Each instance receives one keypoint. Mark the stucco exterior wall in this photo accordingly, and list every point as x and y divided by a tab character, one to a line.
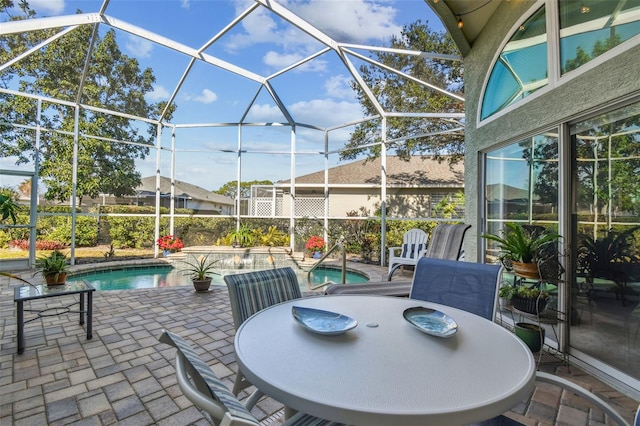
610	81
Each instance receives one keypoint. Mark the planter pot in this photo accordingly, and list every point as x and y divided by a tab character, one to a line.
317	255
526	270
529	305
504	302
202	285
51	278
531	334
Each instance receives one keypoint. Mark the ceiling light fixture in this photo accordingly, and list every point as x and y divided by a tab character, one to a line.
460	23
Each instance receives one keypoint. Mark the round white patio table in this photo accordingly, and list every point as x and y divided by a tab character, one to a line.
385	371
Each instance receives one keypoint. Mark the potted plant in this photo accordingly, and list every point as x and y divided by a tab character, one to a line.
531	334
529	299
200	270
316	245
521	246
169	244
53	267
242	237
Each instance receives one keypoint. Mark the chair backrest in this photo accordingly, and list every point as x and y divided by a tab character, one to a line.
413	242
446	241
472	287
253	291
205	389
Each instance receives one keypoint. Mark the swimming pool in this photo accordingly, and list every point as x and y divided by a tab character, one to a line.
166	276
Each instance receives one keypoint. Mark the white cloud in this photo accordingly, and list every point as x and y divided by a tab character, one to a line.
338	86
206	97
185	4
47	7
278	61
158	93
354	21
320	112
326	112
138	46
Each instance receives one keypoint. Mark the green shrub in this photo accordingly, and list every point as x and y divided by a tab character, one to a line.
132	232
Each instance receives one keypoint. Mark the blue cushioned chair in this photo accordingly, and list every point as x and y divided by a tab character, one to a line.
472	287
207	392
253	291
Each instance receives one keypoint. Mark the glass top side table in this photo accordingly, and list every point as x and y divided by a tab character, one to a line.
26	293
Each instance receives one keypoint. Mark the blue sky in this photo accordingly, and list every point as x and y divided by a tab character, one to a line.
316	93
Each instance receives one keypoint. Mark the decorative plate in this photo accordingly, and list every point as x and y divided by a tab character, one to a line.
430	321
322	322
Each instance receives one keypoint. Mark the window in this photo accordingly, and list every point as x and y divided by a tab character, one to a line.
590	28
606	224
522	183
587	29
521	68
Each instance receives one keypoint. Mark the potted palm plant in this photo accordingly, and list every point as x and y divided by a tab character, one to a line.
200	271
53	267
521	247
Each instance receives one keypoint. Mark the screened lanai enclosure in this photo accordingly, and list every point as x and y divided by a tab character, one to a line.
214	92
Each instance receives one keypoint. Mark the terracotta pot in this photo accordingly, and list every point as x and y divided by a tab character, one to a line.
202	285
526	270
51	278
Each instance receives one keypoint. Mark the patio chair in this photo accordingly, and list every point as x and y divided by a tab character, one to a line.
253	291
206	391
576	389
445	243
414	245
472	287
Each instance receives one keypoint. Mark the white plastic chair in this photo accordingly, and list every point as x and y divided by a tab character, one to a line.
414	246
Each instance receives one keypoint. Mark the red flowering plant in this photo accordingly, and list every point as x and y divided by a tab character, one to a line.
315	243
170	243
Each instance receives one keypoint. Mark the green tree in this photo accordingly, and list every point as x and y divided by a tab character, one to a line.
8	207
113	81
230	189
398	94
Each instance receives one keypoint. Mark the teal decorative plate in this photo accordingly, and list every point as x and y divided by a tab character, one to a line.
430	321
322	322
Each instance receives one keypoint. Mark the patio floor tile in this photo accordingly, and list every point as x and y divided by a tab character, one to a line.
125	376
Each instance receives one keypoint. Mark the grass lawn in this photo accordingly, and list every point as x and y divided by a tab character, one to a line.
84	254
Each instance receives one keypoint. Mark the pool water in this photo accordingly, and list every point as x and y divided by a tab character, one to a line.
166	276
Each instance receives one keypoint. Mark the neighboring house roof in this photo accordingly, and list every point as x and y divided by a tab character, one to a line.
416	172
502	192
182	190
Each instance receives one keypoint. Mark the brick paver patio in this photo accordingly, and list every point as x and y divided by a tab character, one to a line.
125	376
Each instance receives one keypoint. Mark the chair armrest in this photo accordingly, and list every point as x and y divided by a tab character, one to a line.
392	251
594	399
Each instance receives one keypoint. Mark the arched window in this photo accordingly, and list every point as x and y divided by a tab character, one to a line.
521	68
